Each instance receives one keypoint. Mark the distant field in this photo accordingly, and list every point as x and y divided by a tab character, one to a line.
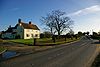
42	41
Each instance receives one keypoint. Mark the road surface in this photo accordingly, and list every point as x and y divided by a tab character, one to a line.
77	54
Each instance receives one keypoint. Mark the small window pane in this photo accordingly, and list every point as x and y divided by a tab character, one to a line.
27	35
36	35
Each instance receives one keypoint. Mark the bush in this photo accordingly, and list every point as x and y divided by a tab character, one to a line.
17	37
95	37
45	35
0	36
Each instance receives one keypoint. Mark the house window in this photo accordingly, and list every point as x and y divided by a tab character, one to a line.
27	35
36	35
36	31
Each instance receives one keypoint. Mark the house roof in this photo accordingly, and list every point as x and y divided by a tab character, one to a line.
28	26
24	25
9	30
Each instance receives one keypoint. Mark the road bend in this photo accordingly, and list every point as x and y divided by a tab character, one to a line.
77	54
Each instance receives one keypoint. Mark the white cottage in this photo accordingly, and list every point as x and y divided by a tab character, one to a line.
22	31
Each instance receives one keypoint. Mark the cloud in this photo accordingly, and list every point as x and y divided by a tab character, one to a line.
14	9
88	10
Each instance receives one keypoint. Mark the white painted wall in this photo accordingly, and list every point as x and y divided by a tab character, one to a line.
31	32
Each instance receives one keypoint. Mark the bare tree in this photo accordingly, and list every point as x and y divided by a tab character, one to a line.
48	21
57	22
71	32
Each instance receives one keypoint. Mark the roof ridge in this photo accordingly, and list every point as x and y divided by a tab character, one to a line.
29	26
27	23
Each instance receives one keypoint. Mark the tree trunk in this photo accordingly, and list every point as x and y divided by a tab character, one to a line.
58	35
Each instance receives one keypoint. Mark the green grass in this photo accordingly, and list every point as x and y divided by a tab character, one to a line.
42	41
2	49
29	41
22	41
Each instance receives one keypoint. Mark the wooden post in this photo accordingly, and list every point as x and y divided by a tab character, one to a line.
34	41
76	37
65	38
53	38
0	56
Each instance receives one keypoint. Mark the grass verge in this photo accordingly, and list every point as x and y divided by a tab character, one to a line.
43	41
96	63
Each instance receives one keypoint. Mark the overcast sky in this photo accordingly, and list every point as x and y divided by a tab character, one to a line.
85	13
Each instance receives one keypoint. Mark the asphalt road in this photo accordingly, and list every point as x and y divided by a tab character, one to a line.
77	54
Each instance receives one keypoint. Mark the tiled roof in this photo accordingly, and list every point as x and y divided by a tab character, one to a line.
28	26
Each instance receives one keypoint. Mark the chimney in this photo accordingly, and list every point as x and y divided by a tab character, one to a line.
30	22
19	20
9	26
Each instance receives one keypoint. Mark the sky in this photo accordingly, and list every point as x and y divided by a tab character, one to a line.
84	13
